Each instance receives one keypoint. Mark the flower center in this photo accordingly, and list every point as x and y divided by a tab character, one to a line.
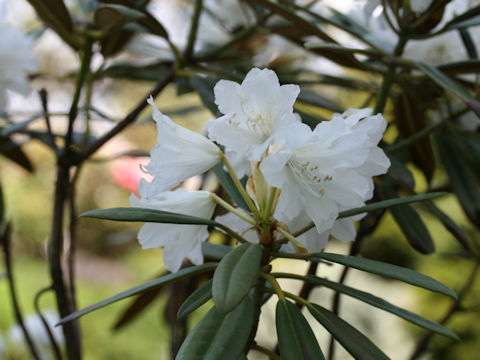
308	176
261	123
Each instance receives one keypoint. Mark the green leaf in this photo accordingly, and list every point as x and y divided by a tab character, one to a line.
228	184
129	13
470	13
357	344
141	288
204	88
446	82
399	172
374	301
449	224
133	214
215	251
13	151
339	48
410	223
311	97
235	275
219	336
138	305
15	127
389	203
468	43
295	337
55	15
196	299
309	28
410	121
461	67
127	71
389	270
463	180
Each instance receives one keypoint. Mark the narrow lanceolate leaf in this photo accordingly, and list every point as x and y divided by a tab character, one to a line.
228	184
219	336
215	251
13	151
141	288
449	224
446	82
235	275
56	16
389	270
389	203
351	339
374	301
463	180
138	305
146	215
196	299
295	336
399	172
410	223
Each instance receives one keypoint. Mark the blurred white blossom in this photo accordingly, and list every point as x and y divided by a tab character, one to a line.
37	331
178	241
16	59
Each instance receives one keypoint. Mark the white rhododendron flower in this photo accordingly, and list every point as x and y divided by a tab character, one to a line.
298	175
179	154
325	171
17	61
254	112
178	241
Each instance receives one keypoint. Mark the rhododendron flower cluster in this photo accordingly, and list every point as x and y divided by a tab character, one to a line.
296	175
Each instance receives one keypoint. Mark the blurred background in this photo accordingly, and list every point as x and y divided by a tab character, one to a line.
109	258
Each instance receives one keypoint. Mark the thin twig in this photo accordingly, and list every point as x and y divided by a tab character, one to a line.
73	235
82	74
192	35
36	302
44	99
5	241
129	119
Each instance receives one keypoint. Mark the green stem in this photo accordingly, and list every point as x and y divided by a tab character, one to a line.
267	352
193	29
232	233
5	241
239	185
276	286
388	78
233	210
82	74
297	244
297	298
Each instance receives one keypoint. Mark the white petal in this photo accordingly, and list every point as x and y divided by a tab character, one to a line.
344	230
180	153
178	241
